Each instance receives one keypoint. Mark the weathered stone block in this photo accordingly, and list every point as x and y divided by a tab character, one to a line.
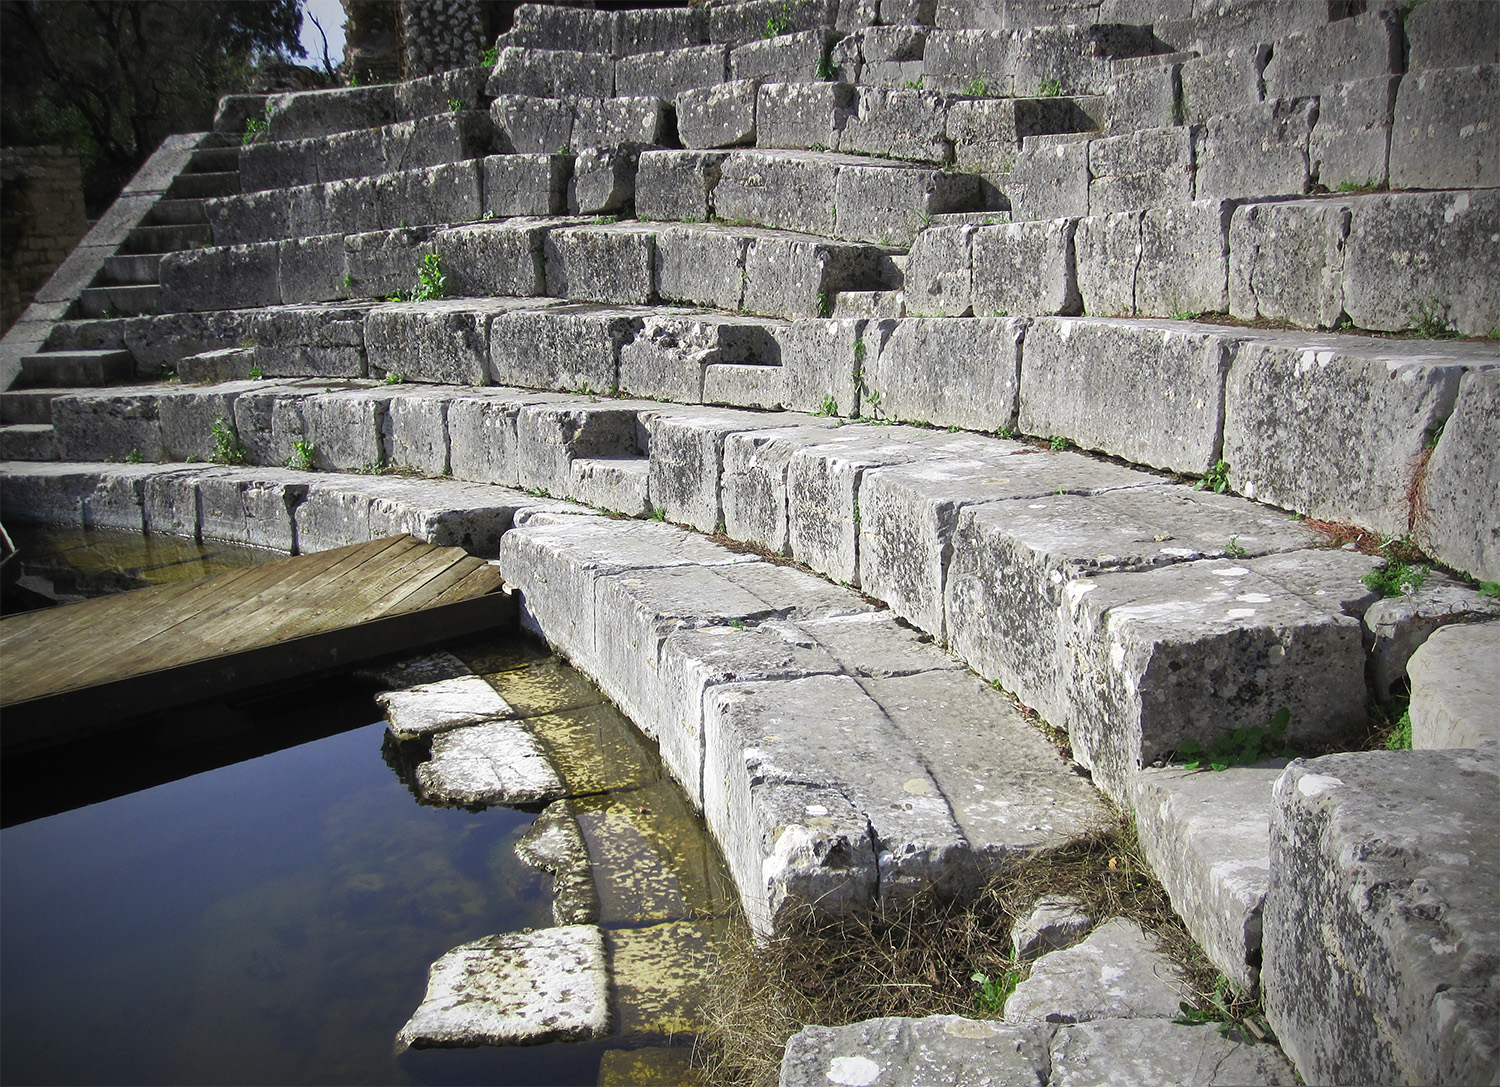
1452	33
667	74
107	426
379	263
444	341
614	484
1443	135
1184	260
945	371
1148	169
1351	141
1453	688
978	62
701	265
686	456
939	278
802	115
1116	973
603	180
619	122
311	114
903	124
525	184
720	116
528	125
667	357
494	258
567	347
552	73
433	95
745	385
677	184
482	438
254	510
1286	261
787	190
1145	94
1222	82
1090	380
310	269
266	166
1260	150
822	360
1458	513
786	58
750	22
891	204
658	30
416	436
1385	398
1050	178
1411	255
790	276
188	419
550	436
614	263
249	217
1344	50
1025	268
1380	940
346	428
914	1050
438	194
228	278
1164	1050
1396	627
753	487
544	26
1107	256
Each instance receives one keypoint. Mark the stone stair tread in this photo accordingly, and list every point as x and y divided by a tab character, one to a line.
28	405
76	369
125	300
203	184
178	211
27	442
156	238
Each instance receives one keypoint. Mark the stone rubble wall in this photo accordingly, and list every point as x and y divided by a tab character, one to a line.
43	220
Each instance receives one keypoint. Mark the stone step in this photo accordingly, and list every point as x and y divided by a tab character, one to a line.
214	160
428	141
75	369
27	405
1068	60
313	114
166	239
531	124
26	442
201	185
126	300
177	212
617	33
132	268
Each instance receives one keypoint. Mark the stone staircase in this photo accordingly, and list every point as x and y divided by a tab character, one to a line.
948	303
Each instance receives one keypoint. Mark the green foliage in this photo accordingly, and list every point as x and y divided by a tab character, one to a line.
1429	322
348	283
975	87
1234	550
658	513
828	407
1006	431
538	492
859	350
825	304
432	283
914	84
1397	578
994	992
490	57
1400	737
394	378
1216	479
826	70
254	127
1058	443
1241	747
134	457
1232	1009
779	23
228	449
1490	589
1050	88
256	373
456	105
302	456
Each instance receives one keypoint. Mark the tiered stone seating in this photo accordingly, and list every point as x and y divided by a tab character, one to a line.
701	273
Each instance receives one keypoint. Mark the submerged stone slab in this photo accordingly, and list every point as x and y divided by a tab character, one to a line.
941	1049
1114	974
1455	696
551	985
496	763
450	702
662	974
1120	1051
554	843
1380	920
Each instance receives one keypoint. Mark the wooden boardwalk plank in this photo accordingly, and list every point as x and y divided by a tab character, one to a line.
258	615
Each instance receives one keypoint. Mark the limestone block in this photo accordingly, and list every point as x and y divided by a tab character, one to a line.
547	985
617	484
792	276
783	190
1452	33
1222	82
1081	58
550	436
1220	28
1114	974
311	269
267	421
677	184
891	204
1107	256
311	114
1162	1051
67	494
987	133
945	371
552	73
1344	50
417	99
562	347
1143	169
1380	933
542	26
1184	260
493	258
912	1051
266	166
382	262
1050	178
1025	268
1351	141
1443	135
527	125
741	385
751	21
895	40
482	438
113	425
1089	380
658	30
613	263
939	280
1248	640
254	510
555	844
311	340
1396	627
822	360
187	419
1286	261
719	116
903	124
667	357
1458	514
1260	150
445	341
1145	94
1207	837
786	58
979	61
417	438
249	217
701	265
228	278
498	762
603	180
753	484
525	184
1054	923
667	74
686	456
1387	398
346	428
619	122
1454	697
1407	251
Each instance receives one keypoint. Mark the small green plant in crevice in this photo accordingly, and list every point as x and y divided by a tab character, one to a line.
829	406
228	449
1235	1012
1490	589
395	378
1397	578
302	456
1429	321
778	23
993	992
489	57
255	373
565	150
737	624
1005	430
254	127
975	87
859	351
1057	443
1400	736
1050	88
856	512
658	513
432	283
538	492
457	105
1234	550
1216	479
134	457
825	304
826	70
348	283
1242	747
914	84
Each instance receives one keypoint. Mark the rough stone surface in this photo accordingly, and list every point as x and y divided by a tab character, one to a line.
1114	974
1443	134
1455	699
1119	1052
1458	514
941	1049
1025	268
1050	178
677	184
946	372
1286	261
1144	169
939	280
1346	49
1261	150
500	762
721	116
440	705
1054	923
555	844
564	347
1380	934
543	986
1396	627
1351	141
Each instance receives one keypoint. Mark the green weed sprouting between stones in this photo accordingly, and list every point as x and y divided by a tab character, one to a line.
1490	589
1058	443
456	105
1428	322
778	23
228	449
825	304
914	84
490	57
254	126
828	407
1216	479
826	70
1397	578
1050	88
975	88
1400	737
1005	431
1242	747
658	513
255	373
302	456
994	992
432	282
395	378
1233	1011
134	457
1234	550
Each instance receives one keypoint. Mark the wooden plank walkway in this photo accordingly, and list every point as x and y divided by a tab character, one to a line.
67	671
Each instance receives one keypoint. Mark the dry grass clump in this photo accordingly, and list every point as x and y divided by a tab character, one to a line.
918	957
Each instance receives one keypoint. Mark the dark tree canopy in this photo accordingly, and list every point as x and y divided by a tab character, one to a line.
110	78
